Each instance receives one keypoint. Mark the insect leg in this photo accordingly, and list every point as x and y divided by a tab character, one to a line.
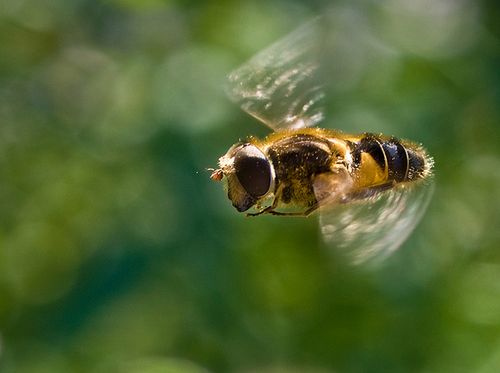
304	213
269	209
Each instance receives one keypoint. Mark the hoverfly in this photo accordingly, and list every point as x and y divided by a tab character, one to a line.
371	190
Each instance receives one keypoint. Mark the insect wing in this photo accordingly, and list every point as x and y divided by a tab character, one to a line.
370	229
280	86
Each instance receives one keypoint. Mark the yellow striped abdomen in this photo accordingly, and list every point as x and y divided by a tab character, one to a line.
377	160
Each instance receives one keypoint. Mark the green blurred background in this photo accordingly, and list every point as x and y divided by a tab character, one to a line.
118	254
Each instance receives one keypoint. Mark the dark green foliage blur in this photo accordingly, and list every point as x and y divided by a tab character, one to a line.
117	252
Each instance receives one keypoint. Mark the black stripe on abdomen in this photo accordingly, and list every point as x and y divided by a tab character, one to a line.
372	146
397	160
403	163
416	165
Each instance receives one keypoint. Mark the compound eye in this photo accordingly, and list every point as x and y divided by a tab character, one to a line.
253	170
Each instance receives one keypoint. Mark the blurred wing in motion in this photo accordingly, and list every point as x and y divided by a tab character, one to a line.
283	86
372	228
280	86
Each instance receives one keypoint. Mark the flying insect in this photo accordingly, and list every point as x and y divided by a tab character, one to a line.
371	190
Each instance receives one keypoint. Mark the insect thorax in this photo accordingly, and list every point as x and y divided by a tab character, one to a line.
296	160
